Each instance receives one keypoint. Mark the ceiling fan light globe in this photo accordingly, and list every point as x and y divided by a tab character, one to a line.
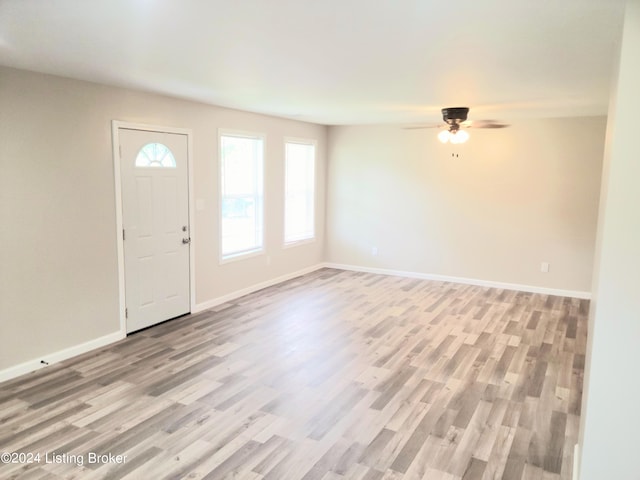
462	136
444	136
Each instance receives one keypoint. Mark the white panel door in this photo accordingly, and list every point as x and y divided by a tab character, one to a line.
155	218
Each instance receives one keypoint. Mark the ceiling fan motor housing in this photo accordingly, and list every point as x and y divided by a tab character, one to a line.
455	115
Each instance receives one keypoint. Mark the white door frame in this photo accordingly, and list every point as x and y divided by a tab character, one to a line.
116	125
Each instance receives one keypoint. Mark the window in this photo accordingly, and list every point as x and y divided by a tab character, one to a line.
299	201
241	191
155	155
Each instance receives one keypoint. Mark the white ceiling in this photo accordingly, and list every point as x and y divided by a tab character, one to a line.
332	61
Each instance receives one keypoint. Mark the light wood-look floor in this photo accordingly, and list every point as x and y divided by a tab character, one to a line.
328	376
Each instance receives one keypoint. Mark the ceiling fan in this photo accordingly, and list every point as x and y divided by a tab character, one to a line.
456	122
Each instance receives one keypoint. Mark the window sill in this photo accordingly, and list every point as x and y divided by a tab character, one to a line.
297	243
241	256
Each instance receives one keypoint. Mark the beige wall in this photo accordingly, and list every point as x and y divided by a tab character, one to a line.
58	274
512	199
610	419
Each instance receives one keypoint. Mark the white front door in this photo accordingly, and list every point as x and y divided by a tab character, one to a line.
155	220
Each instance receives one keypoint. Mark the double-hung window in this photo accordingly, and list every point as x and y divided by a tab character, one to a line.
299	211
241	194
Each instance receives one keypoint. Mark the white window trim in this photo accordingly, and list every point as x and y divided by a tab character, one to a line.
296	243
234	257
303	241
152	165
253	252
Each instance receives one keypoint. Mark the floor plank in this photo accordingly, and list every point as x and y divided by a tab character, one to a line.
331	375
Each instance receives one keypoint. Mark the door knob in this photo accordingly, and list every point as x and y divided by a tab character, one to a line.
186	240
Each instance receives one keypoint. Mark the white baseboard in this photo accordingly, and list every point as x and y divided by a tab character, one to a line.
55	357
464	280
575	474
199	307
59	356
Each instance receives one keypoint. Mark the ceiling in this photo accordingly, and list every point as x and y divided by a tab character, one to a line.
332	62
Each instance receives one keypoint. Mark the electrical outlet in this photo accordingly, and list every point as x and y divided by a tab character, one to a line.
544	267
374	251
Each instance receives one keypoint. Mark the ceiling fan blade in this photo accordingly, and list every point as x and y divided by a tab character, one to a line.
421	127
487	124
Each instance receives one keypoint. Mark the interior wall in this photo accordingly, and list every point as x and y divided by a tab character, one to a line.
610	420
492	209
58	274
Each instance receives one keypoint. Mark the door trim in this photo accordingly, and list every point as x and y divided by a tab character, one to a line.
116	125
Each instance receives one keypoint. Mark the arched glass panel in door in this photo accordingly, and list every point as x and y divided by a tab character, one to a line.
155	155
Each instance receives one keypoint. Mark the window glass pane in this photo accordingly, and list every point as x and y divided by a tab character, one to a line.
241	194
240	164
155	155
299	192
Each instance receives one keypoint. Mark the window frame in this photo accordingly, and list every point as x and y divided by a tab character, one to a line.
313	237
152	162
243	254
